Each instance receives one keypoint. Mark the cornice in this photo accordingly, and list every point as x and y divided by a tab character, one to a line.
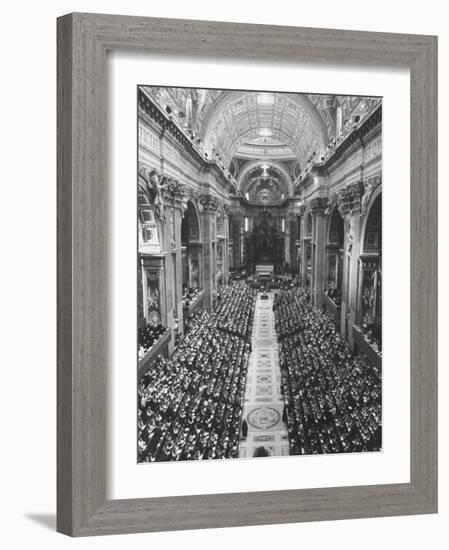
168	126
358	135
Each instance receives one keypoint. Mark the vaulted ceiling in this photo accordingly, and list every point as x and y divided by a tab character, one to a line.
262	126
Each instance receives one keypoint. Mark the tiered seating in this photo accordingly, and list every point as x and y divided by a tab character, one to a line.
190	406
333	399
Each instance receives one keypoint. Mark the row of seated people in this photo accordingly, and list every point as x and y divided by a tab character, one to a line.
333	399
234	309
190	406
189	294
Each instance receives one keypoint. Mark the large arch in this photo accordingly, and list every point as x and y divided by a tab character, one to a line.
291	116
372	228
276	167
334	262
190	224
370	289
336	229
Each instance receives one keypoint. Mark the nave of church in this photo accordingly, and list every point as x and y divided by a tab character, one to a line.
259	274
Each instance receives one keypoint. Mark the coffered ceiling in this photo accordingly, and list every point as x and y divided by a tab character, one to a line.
282	127
263	125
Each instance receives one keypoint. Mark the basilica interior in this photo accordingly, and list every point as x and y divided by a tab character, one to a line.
259	271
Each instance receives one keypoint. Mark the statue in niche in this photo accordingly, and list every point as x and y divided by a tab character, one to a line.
184	205
369	188
154	184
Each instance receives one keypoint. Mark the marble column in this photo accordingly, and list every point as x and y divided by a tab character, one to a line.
349	202
302	250
226	248
293	224
286	243
209	205
318	207
236	231
178	213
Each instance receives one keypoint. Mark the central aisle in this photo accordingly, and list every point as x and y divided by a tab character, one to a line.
264	402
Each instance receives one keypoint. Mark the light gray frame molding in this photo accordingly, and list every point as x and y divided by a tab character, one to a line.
83	40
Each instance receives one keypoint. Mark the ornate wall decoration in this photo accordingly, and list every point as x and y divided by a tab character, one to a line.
370	186
148	231
209	203
349	199
153	184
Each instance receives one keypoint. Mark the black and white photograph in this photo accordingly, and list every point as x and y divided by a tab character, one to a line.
259	273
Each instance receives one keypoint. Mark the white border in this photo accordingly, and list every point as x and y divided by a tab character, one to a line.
126	479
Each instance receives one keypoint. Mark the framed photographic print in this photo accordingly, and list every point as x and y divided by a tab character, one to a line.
246	274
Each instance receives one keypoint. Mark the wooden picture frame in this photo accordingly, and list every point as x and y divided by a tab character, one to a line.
83	40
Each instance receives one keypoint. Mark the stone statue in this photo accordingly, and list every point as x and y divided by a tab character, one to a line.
366	197
153	186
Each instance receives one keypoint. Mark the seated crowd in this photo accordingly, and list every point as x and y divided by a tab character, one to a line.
333	399
148	336
190	406
335	295
373	335
189	295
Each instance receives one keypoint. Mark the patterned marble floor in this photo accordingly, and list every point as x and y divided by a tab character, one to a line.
263	399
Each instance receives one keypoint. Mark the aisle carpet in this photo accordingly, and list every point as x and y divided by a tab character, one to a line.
263	399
